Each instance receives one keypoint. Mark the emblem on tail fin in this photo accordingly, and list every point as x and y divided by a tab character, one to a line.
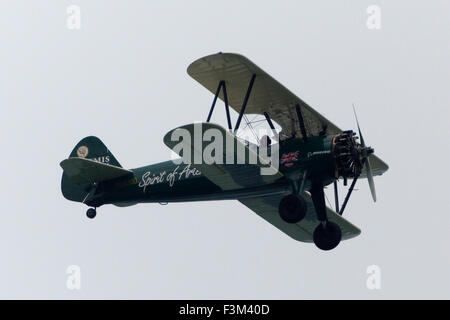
82	151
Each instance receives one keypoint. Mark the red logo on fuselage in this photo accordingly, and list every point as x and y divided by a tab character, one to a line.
288	159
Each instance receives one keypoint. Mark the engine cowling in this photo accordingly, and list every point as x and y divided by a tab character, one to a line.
347	155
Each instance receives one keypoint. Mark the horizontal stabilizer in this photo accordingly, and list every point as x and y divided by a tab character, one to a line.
81	171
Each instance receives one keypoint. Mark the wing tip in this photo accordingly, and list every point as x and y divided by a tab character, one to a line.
223	55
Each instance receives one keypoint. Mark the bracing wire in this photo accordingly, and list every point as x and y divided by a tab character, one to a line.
251	128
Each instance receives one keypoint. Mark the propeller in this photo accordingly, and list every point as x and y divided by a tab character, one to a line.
365	152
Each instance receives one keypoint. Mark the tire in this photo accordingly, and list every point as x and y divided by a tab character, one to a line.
292	208
91	213
327	237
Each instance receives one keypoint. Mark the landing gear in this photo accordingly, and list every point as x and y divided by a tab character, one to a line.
327	235
91	213
292	208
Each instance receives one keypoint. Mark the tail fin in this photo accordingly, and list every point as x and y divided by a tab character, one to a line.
89	148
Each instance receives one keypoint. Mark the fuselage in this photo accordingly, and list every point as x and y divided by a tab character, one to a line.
170	182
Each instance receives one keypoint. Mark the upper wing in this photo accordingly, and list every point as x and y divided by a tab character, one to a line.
239	174
267	208
267	95
80	170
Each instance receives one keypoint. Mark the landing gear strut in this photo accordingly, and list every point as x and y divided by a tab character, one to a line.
91	213
292	208
327	234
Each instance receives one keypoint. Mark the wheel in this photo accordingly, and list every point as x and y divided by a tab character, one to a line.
328	236
91	213
292	208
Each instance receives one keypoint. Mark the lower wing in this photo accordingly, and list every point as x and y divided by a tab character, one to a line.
267	208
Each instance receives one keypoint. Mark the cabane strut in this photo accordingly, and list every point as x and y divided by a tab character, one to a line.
223	86
301	122
225	99
244	104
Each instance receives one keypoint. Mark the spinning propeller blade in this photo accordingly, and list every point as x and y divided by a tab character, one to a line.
370	180
366	160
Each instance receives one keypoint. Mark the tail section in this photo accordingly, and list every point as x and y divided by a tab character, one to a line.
89	148
94	149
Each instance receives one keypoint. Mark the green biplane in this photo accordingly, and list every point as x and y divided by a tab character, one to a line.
308	153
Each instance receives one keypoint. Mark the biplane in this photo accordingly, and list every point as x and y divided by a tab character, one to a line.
311	154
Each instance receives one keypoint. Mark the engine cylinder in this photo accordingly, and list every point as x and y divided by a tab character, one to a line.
346	154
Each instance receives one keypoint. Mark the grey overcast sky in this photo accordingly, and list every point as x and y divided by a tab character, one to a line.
122	77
